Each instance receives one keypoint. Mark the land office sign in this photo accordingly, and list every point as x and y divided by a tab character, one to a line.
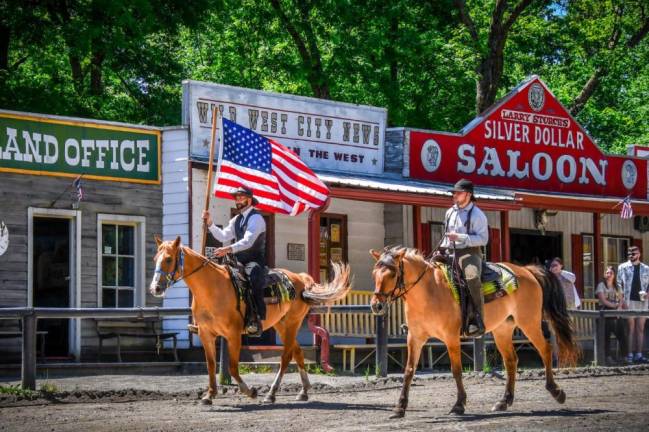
59	147
528	141
326	135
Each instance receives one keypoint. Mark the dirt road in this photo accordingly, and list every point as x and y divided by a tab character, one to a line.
598	399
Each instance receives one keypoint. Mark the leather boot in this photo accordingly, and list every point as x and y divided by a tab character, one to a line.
476	329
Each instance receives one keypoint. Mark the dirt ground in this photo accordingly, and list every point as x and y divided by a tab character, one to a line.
598	399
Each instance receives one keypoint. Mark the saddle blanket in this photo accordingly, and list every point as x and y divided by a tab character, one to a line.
505	284
278	288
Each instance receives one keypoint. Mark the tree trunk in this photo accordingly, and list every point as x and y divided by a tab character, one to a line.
96	87
4	47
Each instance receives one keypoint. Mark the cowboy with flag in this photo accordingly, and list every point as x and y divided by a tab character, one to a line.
259	174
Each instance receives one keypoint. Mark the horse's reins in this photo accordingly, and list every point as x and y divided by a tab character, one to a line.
179	266
400	288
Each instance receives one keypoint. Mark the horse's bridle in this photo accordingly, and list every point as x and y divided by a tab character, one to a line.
400	288
179	267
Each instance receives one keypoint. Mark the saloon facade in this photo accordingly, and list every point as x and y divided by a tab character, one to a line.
83	244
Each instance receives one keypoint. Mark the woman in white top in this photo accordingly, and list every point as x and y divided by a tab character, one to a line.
567	280
610	297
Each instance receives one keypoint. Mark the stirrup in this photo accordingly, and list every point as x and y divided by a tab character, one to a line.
254	328
477	333
193	328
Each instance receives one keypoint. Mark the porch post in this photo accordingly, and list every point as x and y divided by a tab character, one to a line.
418	234
597	239
504	236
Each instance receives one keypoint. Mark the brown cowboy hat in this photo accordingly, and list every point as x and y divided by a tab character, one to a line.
243	190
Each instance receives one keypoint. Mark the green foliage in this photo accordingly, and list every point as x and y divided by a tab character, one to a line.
49	388
125	60
17	390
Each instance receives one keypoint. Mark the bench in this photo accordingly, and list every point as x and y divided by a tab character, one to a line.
9	334
136	329
359	325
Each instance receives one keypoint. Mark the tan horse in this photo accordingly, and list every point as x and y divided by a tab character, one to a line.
215	312
431	311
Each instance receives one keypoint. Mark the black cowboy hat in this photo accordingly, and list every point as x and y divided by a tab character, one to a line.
464	185
243	190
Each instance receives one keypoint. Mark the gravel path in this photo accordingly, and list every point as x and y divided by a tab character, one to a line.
598	399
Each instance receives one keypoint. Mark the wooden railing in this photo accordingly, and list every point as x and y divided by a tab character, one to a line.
362	325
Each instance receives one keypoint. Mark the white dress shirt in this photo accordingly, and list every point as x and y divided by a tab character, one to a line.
478	234
256	226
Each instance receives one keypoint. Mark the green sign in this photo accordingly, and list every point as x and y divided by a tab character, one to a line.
43	146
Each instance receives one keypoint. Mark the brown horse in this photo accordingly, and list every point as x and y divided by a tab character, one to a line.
431	311
215	311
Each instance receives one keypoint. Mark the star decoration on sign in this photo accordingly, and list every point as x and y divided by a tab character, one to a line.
374	161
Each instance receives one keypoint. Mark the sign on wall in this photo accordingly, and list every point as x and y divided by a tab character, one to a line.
527	141
326	135
47	146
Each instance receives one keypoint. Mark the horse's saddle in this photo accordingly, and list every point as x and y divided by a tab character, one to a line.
497	280
278	288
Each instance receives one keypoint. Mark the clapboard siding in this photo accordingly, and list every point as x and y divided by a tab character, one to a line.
175	219
22	191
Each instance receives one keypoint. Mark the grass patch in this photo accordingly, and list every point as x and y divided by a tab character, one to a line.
49	388
316	369
246	369
17	390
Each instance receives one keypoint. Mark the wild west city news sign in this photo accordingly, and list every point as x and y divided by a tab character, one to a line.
32	144
326	135
528	141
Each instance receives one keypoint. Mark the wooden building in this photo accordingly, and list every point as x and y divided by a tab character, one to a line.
80	201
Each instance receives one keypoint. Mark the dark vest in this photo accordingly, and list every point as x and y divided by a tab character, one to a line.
257	252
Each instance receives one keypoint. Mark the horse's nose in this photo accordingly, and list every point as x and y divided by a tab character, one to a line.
378	308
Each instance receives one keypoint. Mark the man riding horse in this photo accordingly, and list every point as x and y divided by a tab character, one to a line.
248	229
466	231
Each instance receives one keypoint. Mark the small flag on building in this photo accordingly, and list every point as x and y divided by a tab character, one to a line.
79	190
627	210
280	181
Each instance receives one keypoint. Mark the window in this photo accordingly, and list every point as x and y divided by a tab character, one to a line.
333	243
120	261
614	252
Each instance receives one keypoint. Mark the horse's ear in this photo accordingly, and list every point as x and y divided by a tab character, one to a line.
177	242
158	242
375	254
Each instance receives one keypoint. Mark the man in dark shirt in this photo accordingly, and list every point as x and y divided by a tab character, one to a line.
633	281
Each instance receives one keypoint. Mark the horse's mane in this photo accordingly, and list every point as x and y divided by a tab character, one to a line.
411	254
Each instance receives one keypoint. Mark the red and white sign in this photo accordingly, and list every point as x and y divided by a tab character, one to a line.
527	141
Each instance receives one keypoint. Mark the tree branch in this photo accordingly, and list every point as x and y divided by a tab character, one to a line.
465	17
520	7
301	46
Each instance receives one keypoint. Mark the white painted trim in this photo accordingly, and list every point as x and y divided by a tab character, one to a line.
139	222
74	216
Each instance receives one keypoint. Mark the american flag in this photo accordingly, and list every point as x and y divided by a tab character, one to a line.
280	181
79	190
627	210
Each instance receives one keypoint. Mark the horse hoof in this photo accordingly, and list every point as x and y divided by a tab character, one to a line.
253	393
560	397
500	406
269	399
206	401
398	413
457	409
302	397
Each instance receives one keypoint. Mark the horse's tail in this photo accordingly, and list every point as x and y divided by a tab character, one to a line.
327	293
554	306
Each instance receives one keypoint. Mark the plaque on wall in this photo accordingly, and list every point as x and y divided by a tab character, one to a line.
295	251
335	233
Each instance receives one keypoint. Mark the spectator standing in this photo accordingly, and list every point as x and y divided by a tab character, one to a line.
610	298
567	280
633	281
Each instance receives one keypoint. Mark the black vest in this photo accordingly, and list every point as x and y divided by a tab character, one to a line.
257	252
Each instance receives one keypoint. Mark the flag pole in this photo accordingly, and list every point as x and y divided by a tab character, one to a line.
215	114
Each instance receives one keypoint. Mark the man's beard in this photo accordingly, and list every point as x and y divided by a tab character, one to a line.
240	206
